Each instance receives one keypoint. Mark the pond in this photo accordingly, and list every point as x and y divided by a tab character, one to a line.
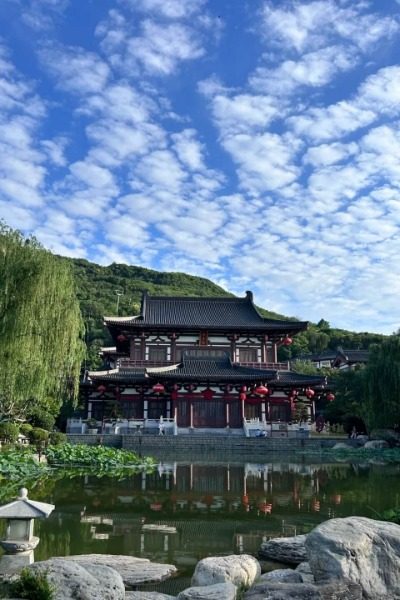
183	512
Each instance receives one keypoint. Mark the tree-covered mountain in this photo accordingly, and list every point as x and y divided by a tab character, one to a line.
101	290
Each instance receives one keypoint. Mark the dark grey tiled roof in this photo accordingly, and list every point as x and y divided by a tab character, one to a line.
291	378
214	369
203	313
210	369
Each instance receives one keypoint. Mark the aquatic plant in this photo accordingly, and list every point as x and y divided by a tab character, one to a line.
101	458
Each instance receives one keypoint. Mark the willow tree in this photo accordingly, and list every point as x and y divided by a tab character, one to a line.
382	384
41	328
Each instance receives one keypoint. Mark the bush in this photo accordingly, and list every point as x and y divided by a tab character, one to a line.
56	438
26	429
43	419
9	432
38	435
33	585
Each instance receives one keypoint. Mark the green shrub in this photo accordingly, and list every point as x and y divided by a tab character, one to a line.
26	429
33	586
56	438
38	435
42	419
9	432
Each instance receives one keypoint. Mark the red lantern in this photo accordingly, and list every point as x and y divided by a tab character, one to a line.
121	338
287	341
207	394
310	393
101	389
158	388
243	388
330	397
261	390
242	396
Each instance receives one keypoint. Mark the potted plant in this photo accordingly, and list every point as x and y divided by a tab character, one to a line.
91	425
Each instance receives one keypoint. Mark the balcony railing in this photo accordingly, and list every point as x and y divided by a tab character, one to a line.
128	363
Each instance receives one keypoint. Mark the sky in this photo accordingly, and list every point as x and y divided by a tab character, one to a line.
256	143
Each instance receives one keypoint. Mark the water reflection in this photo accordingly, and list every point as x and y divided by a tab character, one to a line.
183	512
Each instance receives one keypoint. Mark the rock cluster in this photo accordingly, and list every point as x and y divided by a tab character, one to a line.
342	559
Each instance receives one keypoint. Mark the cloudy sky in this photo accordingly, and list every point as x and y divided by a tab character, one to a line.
254	142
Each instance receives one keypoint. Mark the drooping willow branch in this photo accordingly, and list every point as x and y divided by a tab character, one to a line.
41	328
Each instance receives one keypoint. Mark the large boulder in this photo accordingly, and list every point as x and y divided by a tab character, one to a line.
218	591
283	576
134	571
239	569
376	444
359	550
304	570
268	590
73	581
148	596
288	550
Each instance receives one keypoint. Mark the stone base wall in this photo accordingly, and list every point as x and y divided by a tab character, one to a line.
189	446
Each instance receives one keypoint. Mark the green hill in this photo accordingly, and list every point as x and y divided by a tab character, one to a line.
100	289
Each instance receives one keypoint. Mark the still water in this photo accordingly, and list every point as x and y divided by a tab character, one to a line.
181	512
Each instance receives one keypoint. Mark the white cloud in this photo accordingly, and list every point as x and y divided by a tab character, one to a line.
172	9
76	70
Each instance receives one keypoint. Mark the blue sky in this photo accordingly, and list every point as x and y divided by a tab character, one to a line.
255	143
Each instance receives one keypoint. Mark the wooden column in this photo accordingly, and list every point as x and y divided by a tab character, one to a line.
227	413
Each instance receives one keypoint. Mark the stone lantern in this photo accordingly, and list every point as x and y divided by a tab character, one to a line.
20	515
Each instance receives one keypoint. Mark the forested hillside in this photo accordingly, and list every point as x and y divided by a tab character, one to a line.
100	289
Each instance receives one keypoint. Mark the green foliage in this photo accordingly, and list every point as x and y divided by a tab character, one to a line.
42	418
56	437
33	585
25	429
39	436
9	432
40	327
100	458
382	384
348	408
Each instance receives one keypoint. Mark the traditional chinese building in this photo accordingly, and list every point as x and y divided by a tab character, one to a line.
204	362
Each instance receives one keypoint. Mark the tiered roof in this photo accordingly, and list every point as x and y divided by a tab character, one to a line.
202	313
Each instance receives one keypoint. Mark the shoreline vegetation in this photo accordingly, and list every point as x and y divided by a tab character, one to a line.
23	467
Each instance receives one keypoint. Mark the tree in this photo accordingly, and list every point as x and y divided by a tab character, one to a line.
41	328
382	384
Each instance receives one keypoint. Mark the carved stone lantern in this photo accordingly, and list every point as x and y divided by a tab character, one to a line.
20	515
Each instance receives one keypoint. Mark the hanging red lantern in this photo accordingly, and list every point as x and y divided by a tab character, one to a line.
243	389
158	388
242	396
101	389
261	390
207	394
330	397
287	341
310	393
121	338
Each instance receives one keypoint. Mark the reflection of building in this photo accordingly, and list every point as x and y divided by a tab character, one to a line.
200	362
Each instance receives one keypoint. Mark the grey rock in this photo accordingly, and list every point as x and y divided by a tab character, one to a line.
218	591
289	550
303	591
148	596
134	571
359	550
73	581
361	439
376	444
342	446
283	576
304	570
239	569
